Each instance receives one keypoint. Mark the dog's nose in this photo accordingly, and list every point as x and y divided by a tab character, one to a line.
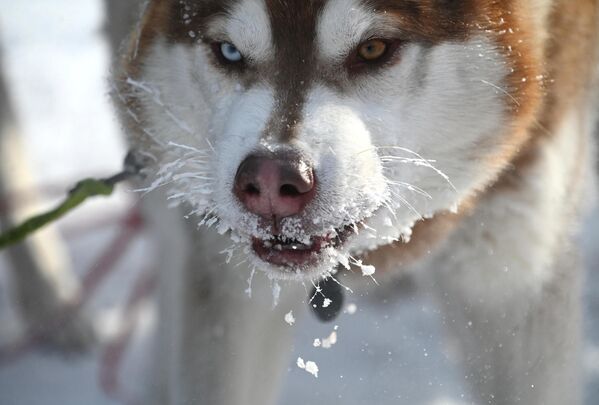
275	186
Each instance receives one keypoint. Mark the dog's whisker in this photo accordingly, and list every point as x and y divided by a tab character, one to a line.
156	97
417	161
240	263
210	146
386	158
387	204
409	187
420	161
250	281
402	200
502	90
188	148
332	277
317	290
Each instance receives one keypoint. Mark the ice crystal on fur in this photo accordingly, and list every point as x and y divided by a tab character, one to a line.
184	173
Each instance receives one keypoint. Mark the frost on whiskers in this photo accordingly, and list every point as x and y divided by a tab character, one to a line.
184	173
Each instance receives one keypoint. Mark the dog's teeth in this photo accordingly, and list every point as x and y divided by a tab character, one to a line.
267	244
278	247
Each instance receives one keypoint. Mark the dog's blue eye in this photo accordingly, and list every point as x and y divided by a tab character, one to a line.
230	52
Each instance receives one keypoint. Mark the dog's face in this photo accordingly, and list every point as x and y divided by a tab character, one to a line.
313	129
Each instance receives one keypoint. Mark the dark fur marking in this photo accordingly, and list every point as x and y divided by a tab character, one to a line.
293	27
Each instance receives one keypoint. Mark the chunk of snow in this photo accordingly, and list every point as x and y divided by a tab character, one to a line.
312	368
309	366
368	270
276	293
352	309
330	341
344	261
289	318
326	303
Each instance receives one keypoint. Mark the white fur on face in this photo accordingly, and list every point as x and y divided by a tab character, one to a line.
342	26
398	144
247	26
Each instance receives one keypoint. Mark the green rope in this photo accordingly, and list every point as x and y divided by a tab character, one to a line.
84	190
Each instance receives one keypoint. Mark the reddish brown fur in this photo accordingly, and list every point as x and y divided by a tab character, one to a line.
293	26
430	20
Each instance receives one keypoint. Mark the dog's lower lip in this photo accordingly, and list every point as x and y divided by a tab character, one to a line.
290	254
295	253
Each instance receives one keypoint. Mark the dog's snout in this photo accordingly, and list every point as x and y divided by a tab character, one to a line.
275	186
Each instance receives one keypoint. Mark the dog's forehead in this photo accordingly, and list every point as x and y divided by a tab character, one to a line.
293	23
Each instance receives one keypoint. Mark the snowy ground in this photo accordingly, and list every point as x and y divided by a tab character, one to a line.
387	353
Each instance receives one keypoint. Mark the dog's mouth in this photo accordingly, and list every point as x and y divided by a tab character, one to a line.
294	254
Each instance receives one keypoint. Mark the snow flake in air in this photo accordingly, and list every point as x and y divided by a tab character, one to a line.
289	318
309	366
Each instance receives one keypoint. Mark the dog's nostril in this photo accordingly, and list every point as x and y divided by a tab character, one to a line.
289	190
252	190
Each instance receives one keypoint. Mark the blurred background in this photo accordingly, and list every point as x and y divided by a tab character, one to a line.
58	127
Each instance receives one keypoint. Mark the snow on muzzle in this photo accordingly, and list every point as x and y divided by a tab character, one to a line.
288	252
274	186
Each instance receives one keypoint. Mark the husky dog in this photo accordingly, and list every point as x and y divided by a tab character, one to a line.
452	139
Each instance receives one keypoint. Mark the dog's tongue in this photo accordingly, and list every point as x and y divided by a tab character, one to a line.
327	303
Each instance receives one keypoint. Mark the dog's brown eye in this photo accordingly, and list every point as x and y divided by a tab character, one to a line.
372	50
374	54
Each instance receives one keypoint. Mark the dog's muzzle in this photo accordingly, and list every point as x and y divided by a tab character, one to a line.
274	186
